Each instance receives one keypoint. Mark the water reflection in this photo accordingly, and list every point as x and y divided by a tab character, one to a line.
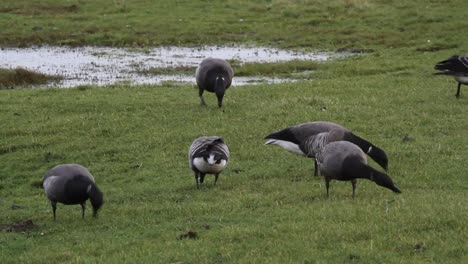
105	65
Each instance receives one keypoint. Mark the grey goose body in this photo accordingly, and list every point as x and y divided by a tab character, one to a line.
345	161
72	184
309	138
208	155
214	75
456	66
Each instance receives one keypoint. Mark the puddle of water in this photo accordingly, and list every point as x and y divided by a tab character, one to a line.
105	65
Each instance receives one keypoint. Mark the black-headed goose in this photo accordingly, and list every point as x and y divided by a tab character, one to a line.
344	161
208	155
214	75
309	138
456	66
72	184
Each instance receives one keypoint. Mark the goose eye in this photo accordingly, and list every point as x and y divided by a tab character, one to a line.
218	161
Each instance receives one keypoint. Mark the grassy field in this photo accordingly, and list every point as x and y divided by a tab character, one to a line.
267	206
295	69
318	24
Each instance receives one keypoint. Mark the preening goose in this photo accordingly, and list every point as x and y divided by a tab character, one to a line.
208	155
344	161
214	75
309	138
72	184
456	66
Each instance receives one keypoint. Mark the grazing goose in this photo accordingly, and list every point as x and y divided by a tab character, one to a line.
72	184
344	161
456	66
309	138
214	75
208	155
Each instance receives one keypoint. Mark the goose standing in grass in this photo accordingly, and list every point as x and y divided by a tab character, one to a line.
456	66
72	184
214	75
344	161
309	138
208	155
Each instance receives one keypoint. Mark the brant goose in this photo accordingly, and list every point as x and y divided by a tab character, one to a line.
214	75
72	184
344	161
208	155
309	138
456	66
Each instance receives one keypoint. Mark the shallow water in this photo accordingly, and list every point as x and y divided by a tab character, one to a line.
104	65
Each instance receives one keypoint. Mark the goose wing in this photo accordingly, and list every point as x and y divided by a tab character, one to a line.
69	170
455	65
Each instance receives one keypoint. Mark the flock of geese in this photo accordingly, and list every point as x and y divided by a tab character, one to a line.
338	153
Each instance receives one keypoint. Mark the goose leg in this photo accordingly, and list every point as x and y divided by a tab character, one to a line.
196	180
327	184
54	207
315	168
83	207
458	90
216	178
202	177
200	94
353	182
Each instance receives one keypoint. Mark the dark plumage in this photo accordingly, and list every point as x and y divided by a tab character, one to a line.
214	75
309	138
72	184
208	155
344	161
456	66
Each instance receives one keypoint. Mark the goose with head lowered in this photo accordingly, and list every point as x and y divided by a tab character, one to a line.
72	184
208	155
456	66
309	138
214	75
344	161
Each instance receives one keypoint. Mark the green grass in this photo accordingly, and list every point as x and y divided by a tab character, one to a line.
135	141
179	70
267	207
323	24
286	69
10	78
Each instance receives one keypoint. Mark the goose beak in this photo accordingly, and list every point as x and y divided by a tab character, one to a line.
395	189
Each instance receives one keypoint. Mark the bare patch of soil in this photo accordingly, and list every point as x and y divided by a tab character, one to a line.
19	227
190	234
